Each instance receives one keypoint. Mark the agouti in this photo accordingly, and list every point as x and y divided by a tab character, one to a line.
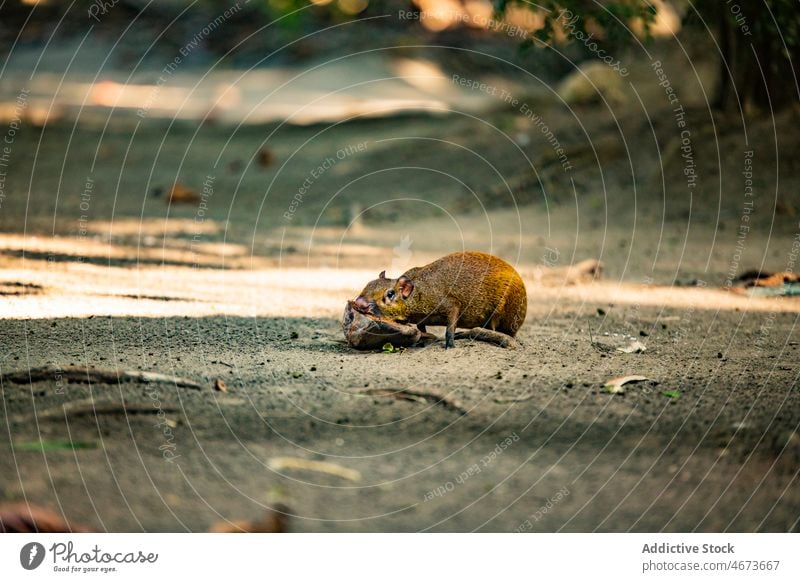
464	290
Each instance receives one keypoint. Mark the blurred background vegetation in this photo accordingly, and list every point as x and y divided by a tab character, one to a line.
758	43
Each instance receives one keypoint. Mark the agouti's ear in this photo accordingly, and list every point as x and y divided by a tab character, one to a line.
405	286
382	275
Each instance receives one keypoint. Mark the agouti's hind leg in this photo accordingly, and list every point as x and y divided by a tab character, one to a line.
487	335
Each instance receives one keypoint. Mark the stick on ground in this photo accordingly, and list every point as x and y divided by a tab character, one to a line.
487	335
77	374
417	396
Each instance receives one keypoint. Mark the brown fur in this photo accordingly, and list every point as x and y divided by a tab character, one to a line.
465	290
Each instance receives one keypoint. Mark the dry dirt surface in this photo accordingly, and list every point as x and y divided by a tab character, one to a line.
216	381
474	438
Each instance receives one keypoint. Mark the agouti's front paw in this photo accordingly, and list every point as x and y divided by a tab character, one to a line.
449	339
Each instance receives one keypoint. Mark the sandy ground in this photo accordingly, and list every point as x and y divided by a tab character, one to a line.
722	456
505	440
490	439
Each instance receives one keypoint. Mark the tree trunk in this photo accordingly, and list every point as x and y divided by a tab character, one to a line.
755	74
723	100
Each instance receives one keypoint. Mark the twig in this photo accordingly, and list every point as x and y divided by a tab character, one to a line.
415	396
510	400
487	335
296	463
90	406
77	374
600	347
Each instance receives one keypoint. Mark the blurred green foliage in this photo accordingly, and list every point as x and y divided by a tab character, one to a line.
758	42
614	19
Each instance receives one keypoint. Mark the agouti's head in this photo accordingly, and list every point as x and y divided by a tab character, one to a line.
385	297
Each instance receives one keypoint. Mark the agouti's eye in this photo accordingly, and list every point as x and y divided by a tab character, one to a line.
390	294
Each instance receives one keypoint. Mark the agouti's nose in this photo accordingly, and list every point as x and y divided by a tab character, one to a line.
361	304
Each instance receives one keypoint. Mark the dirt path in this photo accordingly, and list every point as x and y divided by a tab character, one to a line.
722	454
709	443
241	293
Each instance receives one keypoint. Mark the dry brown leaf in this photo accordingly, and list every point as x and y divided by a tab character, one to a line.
265	157
181	194
23	518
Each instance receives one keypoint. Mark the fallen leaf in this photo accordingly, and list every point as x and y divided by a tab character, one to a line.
265	157
616	385
635	347
764	279
180	194
672	394
388	348
219	385
24	518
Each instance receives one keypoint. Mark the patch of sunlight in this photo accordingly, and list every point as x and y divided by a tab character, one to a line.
70	290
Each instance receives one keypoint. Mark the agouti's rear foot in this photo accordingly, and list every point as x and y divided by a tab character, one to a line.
449	339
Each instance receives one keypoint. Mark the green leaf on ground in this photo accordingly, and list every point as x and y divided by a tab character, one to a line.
672	394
